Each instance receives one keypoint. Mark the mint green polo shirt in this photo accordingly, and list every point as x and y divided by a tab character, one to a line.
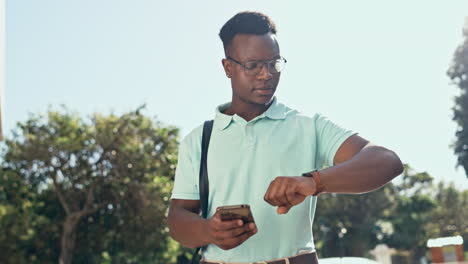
243	158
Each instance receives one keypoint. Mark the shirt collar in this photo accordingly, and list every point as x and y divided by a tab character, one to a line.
275	111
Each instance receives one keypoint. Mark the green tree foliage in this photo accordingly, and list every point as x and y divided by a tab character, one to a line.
23	222
449	218
458	73
88	191
412	212
346	225
397	215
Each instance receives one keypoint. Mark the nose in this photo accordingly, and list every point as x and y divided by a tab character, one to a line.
264	73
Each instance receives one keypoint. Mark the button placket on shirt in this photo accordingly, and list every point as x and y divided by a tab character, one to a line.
249	138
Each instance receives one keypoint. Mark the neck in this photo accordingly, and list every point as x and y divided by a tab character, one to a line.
247	111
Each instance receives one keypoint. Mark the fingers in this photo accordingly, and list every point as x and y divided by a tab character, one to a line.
294	197
234	232
290	195
231	238
236	241
276	194
231	233
285	192
219	224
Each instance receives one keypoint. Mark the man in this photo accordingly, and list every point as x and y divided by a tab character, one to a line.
258	152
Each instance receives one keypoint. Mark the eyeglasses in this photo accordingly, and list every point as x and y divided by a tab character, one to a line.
254	67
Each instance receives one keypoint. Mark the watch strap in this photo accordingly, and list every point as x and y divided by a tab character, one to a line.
319	187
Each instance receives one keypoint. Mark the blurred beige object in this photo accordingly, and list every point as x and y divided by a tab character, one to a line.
2	64
383	254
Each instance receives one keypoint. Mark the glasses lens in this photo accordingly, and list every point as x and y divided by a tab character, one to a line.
279	65
253	67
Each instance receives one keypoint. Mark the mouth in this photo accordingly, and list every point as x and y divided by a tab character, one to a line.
263	91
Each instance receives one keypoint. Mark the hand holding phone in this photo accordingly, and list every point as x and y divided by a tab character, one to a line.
233	230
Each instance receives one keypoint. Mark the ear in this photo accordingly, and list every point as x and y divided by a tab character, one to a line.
227	67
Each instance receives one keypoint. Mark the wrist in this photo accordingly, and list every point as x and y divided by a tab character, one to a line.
205	234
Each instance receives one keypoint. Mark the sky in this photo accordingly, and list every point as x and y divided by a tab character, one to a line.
376	67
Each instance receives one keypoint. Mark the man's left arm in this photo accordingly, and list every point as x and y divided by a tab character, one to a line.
359	167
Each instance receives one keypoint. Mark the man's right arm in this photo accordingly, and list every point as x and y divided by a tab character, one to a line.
193	231
185	225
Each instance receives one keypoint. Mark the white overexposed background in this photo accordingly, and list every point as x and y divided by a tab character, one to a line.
376	67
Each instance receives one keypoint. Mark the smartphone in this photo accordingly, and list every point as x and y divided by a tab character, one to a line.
240	211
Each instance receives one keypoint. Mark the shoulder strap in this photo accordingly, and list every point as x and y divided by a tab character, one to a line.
203	184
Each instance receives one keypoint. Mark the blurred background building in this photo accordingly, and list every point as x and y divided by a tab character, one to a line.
446	249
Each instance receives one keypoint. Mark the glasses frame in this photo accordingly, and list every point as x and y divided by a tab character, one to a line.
266	62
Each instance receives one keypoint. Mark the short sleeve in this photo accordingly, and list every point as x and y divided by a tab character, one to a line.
330	136
186	176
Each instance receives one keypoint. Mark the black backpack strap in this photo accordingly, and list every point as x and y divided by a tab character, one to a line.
203	184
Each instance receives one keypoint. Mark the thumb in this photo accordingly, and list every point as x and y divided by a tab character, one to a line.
283	209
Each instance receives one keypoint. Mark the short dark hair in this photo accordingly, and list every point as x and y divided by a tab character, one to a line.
246	22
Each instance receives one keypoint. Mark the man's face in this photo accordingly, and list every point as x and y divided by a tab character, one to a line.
252	89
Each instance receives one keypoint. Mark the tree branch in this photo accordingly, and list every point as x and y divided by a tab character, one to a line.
89	211
106	148
61	197
89	196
